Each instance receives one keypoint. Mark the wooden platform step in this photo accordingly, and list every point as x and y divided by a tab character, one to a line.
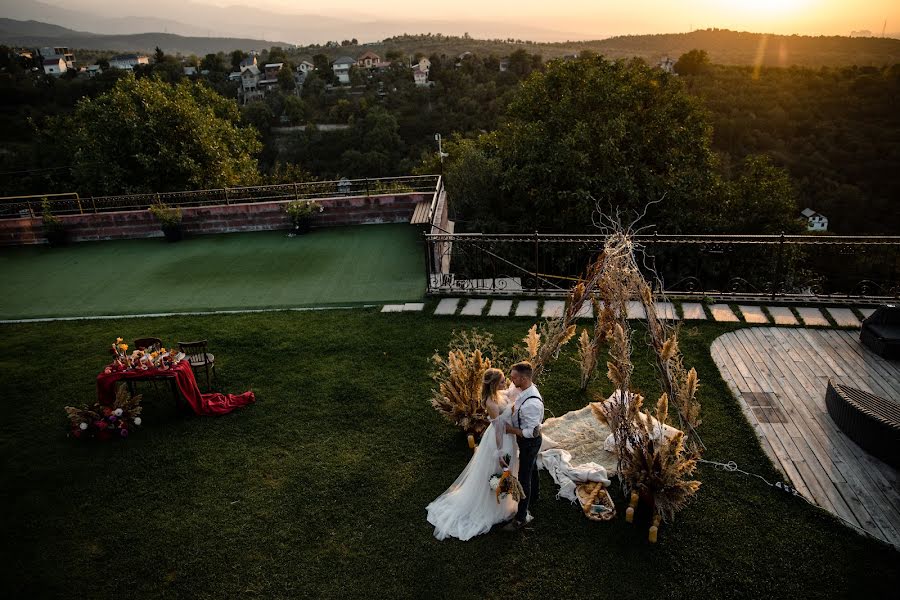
420	214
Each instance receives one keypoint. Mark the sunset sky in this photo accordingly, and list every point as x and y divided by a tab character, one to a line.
613	17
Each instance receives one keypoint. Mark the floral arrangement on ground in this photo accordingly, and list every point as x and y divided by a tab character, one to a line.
106	422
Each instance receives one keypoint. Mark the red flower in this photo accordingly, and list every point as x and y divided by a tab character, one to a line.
101	425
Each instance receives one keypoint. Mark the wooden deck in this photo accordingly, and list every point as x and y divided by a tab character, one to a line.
779	377
420	213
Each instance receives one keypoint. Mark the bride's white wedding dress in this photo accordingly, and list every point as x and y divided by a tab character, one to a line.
469	507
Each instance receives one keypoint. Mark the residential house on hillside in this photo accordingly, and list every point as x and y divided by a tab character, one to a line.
55	66
421	77
93	70
61	52
305	67
424	64
128	62
368	60
249	61
667	65
272	69
190	71
341	68
250	84
814	220
504	65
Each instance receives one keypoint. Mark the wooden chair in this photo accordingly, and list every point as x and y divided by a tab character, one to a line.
196	353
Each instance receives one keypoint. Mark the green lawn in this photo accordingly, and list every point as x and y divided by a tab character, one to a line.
341	265
320	488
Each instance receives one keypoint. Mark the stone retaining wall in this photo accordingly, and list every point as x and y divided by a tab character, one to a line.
258	216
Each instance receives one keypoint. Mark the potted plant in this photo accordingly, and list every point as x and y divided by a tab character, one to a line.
169	220
301	212
54	228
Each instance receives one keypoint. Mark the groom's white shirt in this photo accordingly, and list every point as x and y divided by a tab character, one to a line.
528	416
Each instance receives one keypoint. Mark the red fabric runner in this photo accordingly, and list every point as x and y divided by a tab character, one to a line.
203	404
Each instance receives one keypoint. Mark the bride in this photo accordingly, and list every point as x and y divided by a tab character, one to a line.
469	507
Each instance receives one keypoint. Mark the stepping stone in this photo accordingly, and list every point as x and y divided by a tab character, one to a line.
473	308
812	317
553	309
527	308
447	306
844	317
634	309
782	315
866	312
393	308
753	314
666	311
586	312
500	308
693	311
414	306
723	313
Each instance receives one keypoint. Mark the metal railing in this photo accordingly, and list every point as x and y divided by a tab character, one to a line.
838	269
73	204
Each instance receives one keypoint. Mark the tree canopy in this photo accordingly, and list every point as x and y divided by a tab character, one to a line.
146	135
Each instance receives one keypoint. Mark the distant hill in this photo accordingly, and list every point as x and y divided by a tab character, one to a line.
724	47
37	34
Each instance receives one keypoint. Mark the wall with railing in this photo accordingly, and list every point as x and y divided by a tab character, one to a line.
362	201
838	269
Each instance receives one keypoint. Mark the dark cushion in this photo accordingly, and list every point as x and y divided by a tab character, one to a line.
885	332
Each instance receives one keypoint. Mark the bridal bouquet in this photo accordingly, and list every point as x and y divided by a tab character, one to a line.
506	484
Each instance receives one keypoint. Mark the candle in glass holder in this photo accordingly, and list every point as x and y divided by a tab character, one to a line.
634	499
629	514
653	532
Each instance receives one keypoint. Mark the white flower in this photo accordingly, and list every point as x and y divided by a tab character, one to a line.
137	420
118	412
82	426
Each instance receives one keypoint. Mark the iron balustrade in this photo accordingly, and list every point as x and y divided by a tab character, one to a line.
824	268
15	207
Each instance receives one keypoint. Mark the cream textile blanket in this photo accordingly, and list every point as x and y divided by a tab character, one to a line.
576	438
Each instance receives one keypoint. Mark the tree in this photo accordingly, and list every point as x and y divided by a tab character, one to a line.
259	115
692	63
236	57
286	78
618	132
159	55
295	109
146	135
761	199
214	63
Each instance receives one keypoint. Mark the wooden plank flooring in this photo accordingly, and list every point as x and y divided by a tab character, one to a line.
779	377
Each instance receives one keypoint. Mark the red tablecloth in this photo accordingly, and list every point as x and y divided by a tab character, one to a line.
203	404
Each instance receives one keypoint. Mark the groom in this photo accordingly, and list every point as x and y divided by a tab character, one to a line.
528	414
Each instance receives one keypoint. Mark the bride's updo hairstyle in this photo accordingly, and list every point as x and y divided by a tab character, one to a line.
490	384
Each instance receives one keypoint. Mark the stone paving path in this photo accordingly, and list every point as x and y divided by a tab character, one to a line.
691	311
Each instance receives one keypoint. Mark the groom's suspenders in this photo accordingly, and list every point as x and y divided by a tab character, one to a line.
519	412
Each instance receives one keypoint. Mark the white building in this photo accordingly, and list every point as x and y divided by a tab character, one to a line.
667	65
190	71
423	65
94	70
55	66
305	67
128	62
341	68
420	77
59	52
814	221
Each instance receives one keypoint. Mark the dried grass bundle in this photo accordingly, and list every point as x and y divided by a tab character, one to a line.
459	376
